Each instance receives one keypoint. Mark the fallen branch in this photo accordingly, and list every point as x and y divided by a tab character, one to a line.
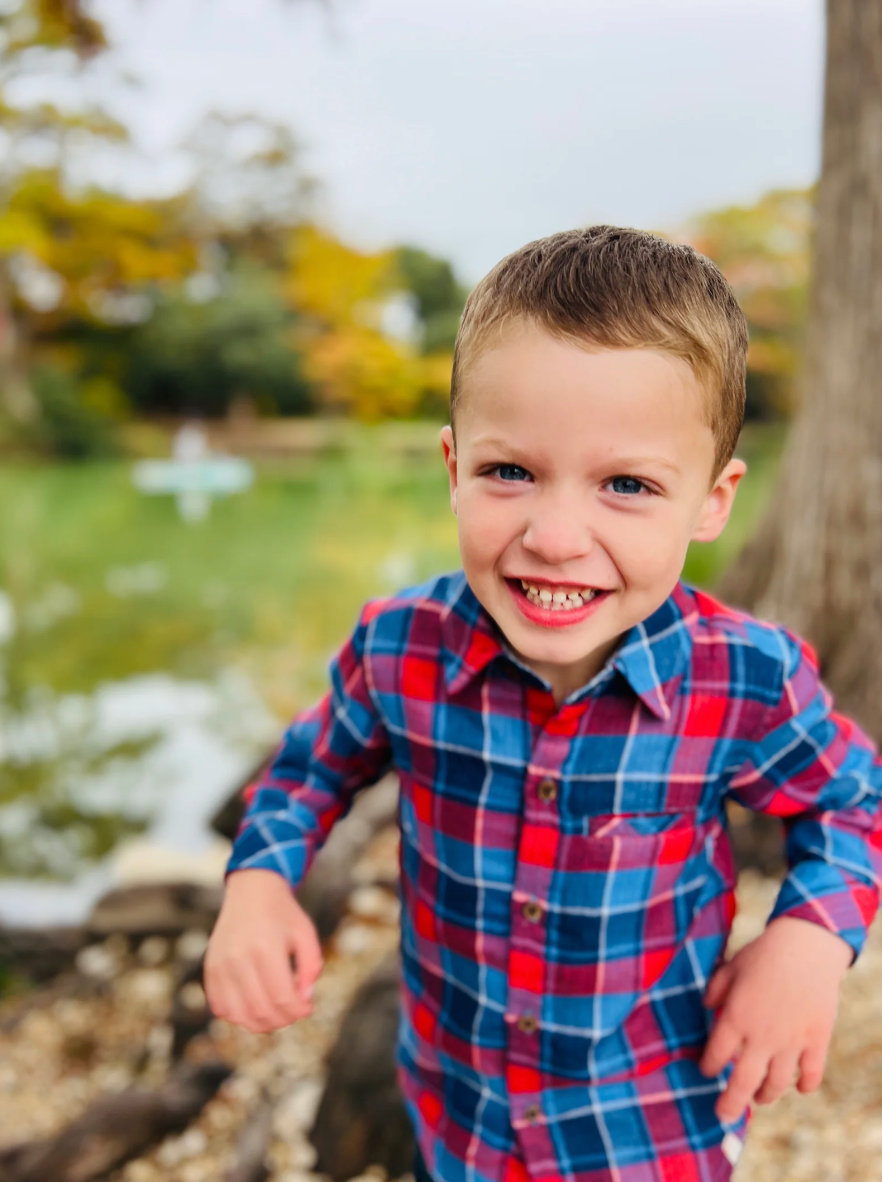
361	1119
114	1129
251	1149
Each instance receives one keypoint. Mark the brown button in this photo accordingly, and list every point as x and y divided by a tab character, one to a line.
532	911
532	1113
527	1024
547	790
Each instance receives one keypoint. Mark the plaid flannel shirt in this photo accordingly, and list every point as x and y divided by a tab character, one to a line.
566	876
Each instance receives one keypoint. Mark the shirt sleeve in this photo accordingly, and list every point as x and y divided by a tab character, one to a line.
822	775
327	754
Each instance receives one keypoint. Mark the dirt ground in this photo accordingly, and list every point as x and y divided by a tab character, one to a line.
61	1047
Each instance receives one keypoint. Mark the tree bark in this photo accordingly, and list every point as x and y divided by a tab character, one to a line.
815	564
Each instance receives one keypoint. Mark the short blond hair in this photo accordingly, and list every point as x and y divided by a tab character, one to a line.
619	288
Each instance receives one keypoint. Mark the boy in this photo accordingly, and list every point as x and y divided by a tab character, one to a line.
567	718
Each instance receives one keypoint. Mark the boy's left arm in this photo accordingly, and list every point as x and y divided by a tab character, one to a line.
776	999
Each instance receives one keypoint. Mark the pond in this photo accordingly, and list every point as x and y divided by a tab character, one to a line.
147	663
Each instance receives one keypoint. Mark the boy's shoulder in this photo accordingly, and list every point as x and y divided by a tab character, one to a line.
714	624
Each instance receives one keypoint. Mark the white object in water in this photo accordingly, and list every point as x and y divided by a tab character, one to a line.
194	476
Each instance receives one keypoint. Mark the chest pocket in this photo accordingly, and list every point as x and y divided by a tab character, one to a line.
652	772
642	825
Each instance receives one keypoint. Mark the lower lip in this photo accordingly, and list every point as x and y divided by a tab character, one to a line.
549	618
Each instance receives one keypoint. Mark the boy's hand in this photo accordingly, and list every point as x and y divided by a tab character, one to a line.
248	975
777	1000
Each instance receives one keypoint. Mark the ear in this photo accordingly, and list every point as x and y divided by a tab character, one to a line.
449	449
718	503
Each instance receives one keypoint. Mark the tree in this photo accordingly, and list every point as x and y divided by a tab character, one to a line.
763	250
815	564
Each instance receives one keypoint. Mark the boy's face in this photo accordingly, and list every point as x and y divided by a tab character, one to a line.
578	480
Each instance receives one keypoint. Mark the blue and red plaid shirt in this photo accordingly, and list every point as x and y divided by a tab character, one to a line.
566	875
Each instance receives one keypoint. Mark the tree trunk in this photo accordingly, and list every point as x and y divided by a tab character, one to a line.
815	563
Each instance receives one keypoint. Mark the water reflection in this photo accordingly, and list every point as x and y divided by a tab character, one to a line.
150	756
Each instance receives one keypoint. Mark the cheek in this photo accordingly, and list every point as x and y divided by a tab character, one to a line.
486	525
649	549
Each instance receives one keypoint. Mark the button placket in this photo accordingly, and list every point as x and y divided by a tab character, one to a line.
537	858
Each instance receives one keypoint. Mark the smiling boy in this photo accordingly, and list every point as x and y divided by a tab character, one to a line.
568	719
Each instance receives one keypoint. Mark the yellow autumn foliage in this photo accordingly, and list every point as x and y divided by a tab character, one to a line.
95	242
340	293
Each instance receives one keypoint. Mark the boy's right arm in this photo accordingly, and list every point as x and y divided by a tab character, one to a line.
327	754
248	977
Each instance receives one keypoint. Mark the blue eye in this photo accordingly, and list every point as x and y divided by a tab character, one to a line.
627	485
510	472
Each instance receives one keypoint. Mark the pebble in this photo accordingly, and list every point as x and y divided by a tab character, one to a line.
296	1112
153	951
150	988
98	962
174	1150
191	945
372	902
192	996
352	939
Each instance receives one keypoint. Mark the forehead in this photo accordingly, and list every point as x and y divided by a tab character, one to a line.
542	389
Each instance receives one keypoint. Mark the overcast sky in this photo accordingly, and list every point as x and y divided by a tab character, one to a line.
472	126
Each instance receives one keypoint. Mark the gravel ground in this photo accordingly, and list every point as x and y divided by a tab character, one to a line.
77	1040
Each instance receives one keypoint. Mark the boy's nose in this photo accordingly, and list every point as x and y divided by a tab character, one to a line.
558	531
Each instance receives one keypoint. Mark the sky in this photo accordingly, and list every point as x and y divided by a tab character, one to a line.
469	127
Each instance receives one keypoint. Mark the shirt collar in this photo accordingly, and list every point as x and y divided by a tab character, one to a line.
470	638
651	656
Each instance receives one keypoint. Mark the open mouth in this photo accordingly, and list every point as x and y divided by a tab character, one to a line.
555	604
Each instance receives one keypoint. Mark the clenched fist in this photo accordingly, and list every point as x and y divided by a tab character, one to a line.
249	977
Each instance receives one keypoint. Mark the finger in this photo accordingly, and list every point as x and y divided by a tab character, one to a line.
780	1075
722	1046
280	985
718	987
251	1005
212	984
304	944
750	1071
811	1068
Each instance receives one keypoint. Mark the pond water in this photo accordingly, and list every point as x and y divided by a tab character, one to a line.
147	663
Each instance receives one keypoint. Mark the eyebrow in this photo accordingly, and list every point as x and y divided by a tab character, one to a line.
657	461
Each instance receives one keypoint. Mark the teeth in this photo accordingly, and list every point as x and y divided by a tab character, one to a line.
557	600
